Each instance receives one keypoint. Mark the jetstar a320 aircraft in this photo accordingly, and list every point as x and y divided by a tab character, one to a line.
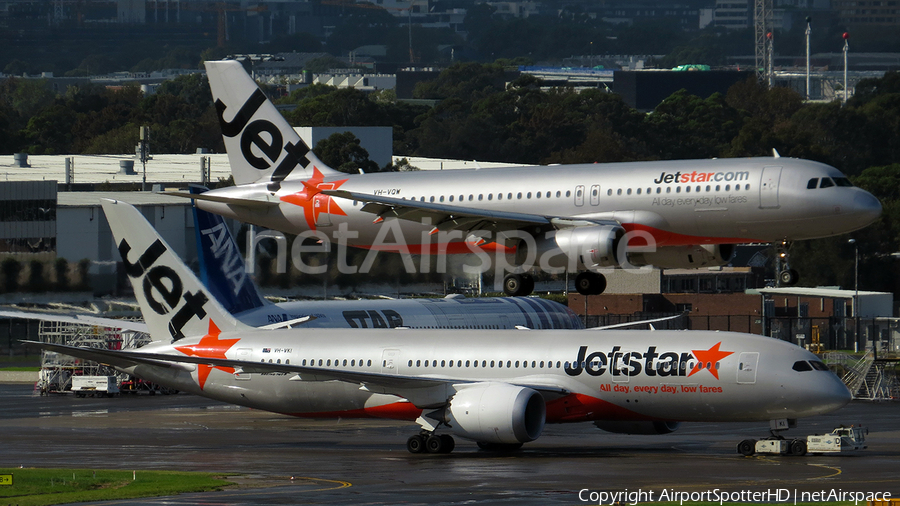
677	214
497	388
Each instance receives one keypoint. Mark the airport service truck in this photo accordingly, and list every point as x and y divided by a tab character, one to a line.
94	385
841	439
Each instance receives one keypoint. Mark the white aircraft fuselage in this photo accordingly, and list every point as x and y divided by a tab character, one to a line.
685	202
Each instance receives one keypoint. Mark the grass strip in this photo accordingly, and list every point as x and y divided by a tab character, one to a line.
40	487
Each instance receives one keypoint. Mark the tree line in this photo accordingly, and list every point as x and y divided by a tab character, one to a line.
478	116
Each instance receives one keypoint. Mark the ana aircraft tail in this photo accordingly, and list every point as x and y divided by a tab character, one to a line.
175	304
261	145
221	264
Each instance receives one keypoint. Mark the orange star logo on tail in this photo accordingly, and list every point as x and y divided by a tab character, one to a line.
210	346
710	356
311	199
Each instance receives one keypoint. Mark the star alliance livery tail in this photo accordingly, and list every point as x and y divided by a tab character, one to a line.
173	301
262	147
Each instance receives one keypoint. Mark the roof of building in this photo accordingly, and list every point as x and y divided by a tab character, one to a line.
105	168
90	199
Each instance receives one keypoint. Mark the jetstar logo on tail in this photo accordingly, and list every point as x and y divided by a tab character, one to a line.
651	363
163	288
210	346
271	145
313	201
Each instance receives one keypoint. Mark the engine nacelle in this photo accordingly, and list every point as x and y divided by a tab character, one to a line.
574	248
496	413
684	257
637	427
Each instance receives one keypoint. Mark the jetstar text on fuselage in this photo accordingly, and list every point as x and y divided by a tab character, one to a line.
702	177
620	362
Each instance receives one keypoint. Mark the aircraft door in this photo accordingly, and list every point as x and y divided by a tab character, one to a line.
579	195
746	374
322	206
595	194
390	362
768	187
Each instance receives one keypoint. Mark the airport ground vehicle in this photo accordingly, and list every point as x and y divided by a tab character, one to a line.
841	439
94	385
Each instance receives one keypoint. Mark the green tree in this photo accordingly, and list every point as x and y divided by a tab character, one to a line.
343	152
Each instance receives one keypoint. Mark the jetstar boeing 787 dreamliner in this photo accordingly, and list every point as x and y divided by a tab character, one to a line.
498	388
686	213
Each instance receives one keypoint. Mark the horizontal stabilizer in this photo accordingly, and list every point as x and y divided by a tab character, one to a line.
263	200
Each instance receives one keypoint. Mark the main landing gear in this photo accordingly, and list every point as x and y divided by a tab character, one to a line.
587	283
430	443
786	275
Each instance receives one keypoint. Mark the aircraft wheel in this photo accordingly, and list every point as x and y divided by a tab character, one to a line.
798	447
499	447
516	285
747	447
590	283
449	443
435	444
415	444
788	277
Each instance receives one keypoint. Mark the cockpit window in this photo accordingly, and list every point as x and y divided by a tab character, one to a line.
826	183
802	366
842	181
819	366
811	185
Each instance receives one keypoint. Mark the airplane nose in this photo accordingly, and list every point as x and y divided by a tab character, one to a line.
835	395
867	207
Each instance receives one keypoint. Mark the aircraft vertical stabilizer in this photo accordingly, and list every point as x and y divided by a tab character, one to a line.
175	304
221	264
262	146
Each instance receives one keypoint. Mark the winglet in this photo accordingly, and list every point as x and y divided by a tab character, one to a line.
261	145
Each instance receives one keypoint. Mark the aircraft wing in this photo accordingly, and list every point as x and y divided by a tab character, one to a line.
449	217
422	392
80	319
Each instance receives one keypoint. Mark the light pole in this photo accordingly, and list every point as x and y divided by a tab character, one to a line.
856	289
808	21
846	49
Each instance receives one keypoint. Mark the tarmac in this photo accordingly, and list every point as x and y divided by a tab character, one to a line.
282	460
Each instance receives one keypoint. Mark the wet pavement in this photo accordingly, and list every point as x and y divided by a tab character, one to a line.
285	460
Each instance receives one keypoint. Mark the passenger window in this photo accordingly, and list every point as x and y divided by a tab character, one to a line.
609	192
471	197
568	193
628	192
442	198
519	195
509	196
451	198
490	196
638	191
687	189
619	191
668	189
537	195
728	187
826	183
678	189
480	196
548	194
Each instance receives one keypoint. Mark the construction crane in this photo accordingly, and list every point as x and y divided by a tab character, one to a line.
764	36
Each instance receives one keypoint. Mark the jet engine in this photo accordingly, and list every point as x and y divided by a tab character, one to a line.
576	248
496	413
684	257
637	427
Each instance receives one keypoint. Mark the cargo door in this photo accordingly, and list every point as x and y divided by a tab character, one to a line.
245	354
